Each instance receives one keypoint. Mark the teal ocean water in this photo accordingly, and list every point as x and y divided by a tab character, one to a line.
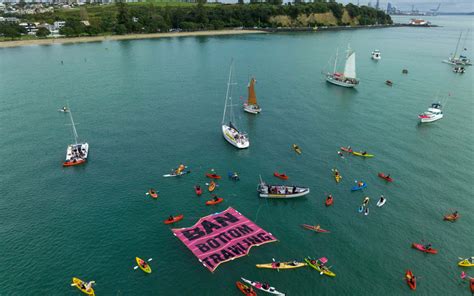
146	106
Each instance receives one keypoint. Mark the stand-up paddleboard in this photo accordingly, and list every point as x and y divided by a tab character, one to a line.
381	202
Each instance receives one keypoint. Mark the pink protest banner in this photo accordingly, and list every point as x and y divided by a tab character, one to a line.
222	237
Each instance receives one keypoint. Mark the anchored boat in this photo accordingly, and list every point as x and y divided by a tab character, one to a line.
434	113
458	60
251	105
76	153
376	55
348	78
230	132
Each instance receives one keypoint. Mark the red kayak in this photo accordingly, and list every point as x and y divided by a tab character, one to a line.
314	228
213	176
472	285
329	200
411	279
198	190
345	149
422	248
175	219
281	176
385	177
248	291
214	202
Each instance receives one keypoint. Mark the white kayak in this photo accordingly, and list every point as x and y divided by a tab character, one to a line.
366	212
259	286
176	175
380	203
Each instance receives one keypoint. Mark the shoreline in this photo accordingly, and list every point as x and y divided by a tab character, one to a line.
85	39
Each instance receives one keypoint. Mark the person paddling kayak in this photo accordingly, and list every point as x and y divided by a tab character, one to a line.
427	246
214	196
170	218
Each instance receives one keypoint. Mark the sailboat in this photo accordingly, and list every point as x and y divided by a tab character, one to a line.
348	78
251	105
76	153
460	60
229	130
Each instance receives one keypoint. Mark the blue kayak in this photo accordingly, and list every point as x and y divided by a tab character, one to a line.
355	188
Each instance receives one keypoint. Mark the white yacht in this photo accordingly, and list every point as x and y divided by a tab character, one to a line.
434	113
458	59
230	132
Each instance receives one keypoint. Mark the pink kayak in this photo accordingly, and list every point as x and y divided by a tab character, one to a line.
422	248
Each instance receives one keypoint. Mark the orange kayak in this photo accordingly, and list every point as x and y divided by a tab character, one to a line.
411	279
214	202
451	217
212	186
281	176
246	290
175	219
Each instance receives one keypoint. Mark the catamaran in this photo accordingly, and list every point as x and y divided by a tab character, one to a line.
76	153
376	55
348	78
251	105
458	60
230	132
434	113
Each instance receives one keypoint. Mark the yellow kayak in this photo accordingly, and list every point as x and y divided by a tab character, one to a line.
81	286
467	262
146	269
282	265
296	148
337	176
362	154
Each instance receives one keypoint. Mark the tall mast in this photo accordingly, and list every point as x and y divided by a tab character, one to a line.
457	45
335	60
73	127
228	88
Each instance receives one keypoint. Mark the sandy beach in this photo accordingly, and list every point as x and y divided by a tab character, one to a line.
50	41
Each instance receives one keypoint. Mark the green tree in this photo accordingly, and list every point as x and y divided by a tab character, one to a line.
42	32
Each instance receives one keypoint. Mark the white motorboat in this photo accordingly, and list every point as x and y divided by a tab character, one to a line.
376	55
348	78
434	113
251	105
76	153
230	132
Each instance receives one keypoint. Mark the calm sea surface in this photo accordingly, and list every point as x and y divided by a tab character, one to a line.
146	106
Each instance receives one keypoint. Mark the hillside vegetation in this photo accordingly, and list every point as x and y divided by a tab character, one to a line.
151	17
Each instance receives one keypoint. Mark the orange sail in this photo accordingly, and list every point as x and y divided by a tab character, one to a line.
252	99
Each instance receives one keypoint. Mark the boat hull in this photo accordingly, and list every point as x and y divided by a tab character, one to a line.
281	192
430	119
330	79
229	134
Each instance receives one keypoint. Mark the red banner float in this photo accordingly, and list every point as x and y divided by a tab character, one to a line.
222	237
